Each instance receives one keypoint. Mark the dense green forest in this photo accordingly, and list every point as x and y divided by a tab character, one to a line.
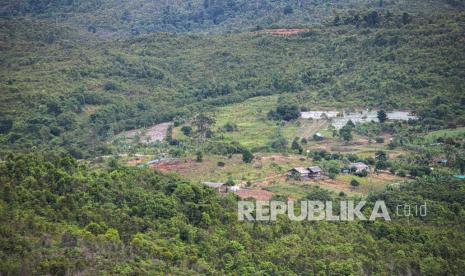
61	80
107	17
61	217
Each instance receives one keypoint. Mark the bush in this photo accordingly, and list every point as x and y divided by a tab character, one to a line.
230	127
247	156
230	181
110	86
286	110
379	140
199	156
186	130
354	183
363	173
332	175
402	173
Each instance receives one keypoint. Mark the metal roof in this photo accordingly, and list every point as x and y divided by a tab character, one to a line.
301	170
314	169
214	185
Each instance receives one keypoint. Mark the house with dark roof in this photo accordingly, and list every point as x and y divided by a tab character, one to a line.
315	172
301	172
359	167
298	171
218	186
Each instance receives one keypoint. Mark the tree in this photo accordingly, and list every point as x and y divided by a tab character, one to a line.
230	182
354	183
247	156
382	116
296	146
186	130
350	124
460	163
346	133
288	10
286	110
5	125
406	19
230	127
203	123
199	156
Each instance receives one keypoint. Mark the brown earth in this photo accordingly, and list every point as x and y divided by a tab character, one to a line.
149	135
284	32
261	195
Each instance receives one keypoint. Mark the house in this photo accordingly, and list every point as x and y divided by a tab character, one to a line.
345	170
359	167
318	137
315	172
310	172
153	162
219	186
298	171
233	189
222	187
441	161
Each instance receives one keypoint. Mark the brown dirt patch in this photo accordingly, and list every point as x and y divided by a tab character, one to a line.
279	158
255	194
171	166
284	32
134	162
149	135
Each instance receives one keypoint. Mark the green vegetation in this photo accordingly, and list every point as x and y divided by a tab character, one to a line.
59	216
62	80
213	90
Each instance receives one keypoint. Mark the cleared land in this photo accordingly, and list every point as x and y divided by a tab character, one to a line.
146	135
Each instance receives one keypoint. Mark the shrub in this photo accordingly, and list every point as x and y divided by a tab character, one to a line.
199	156
402	173
230	181
110	86
186	130
354	183
363	173
247	156
230	127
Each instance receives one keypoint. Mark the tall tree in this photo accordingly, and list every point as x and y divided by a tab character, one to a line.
382	116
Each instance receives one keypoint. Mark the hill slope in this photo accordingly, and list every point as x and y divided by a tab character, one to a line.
108	17
58	81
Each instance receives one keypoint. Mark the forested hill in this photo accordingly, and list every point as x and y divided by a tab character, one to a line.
134	17
58	80
59	217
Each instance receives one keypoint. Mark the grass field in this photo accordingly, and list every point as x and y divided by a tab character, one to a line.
458	132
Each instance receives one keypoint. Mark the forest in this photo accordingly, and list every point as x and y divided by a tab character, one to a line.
61	217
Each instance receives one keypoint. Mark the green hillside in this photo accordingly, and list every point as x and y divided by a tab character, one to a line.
107	17
60	217
114	113
61	80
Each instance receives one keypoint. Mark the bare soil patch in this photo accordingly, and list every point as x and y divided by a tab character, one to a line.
284	32
148	135
261	195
